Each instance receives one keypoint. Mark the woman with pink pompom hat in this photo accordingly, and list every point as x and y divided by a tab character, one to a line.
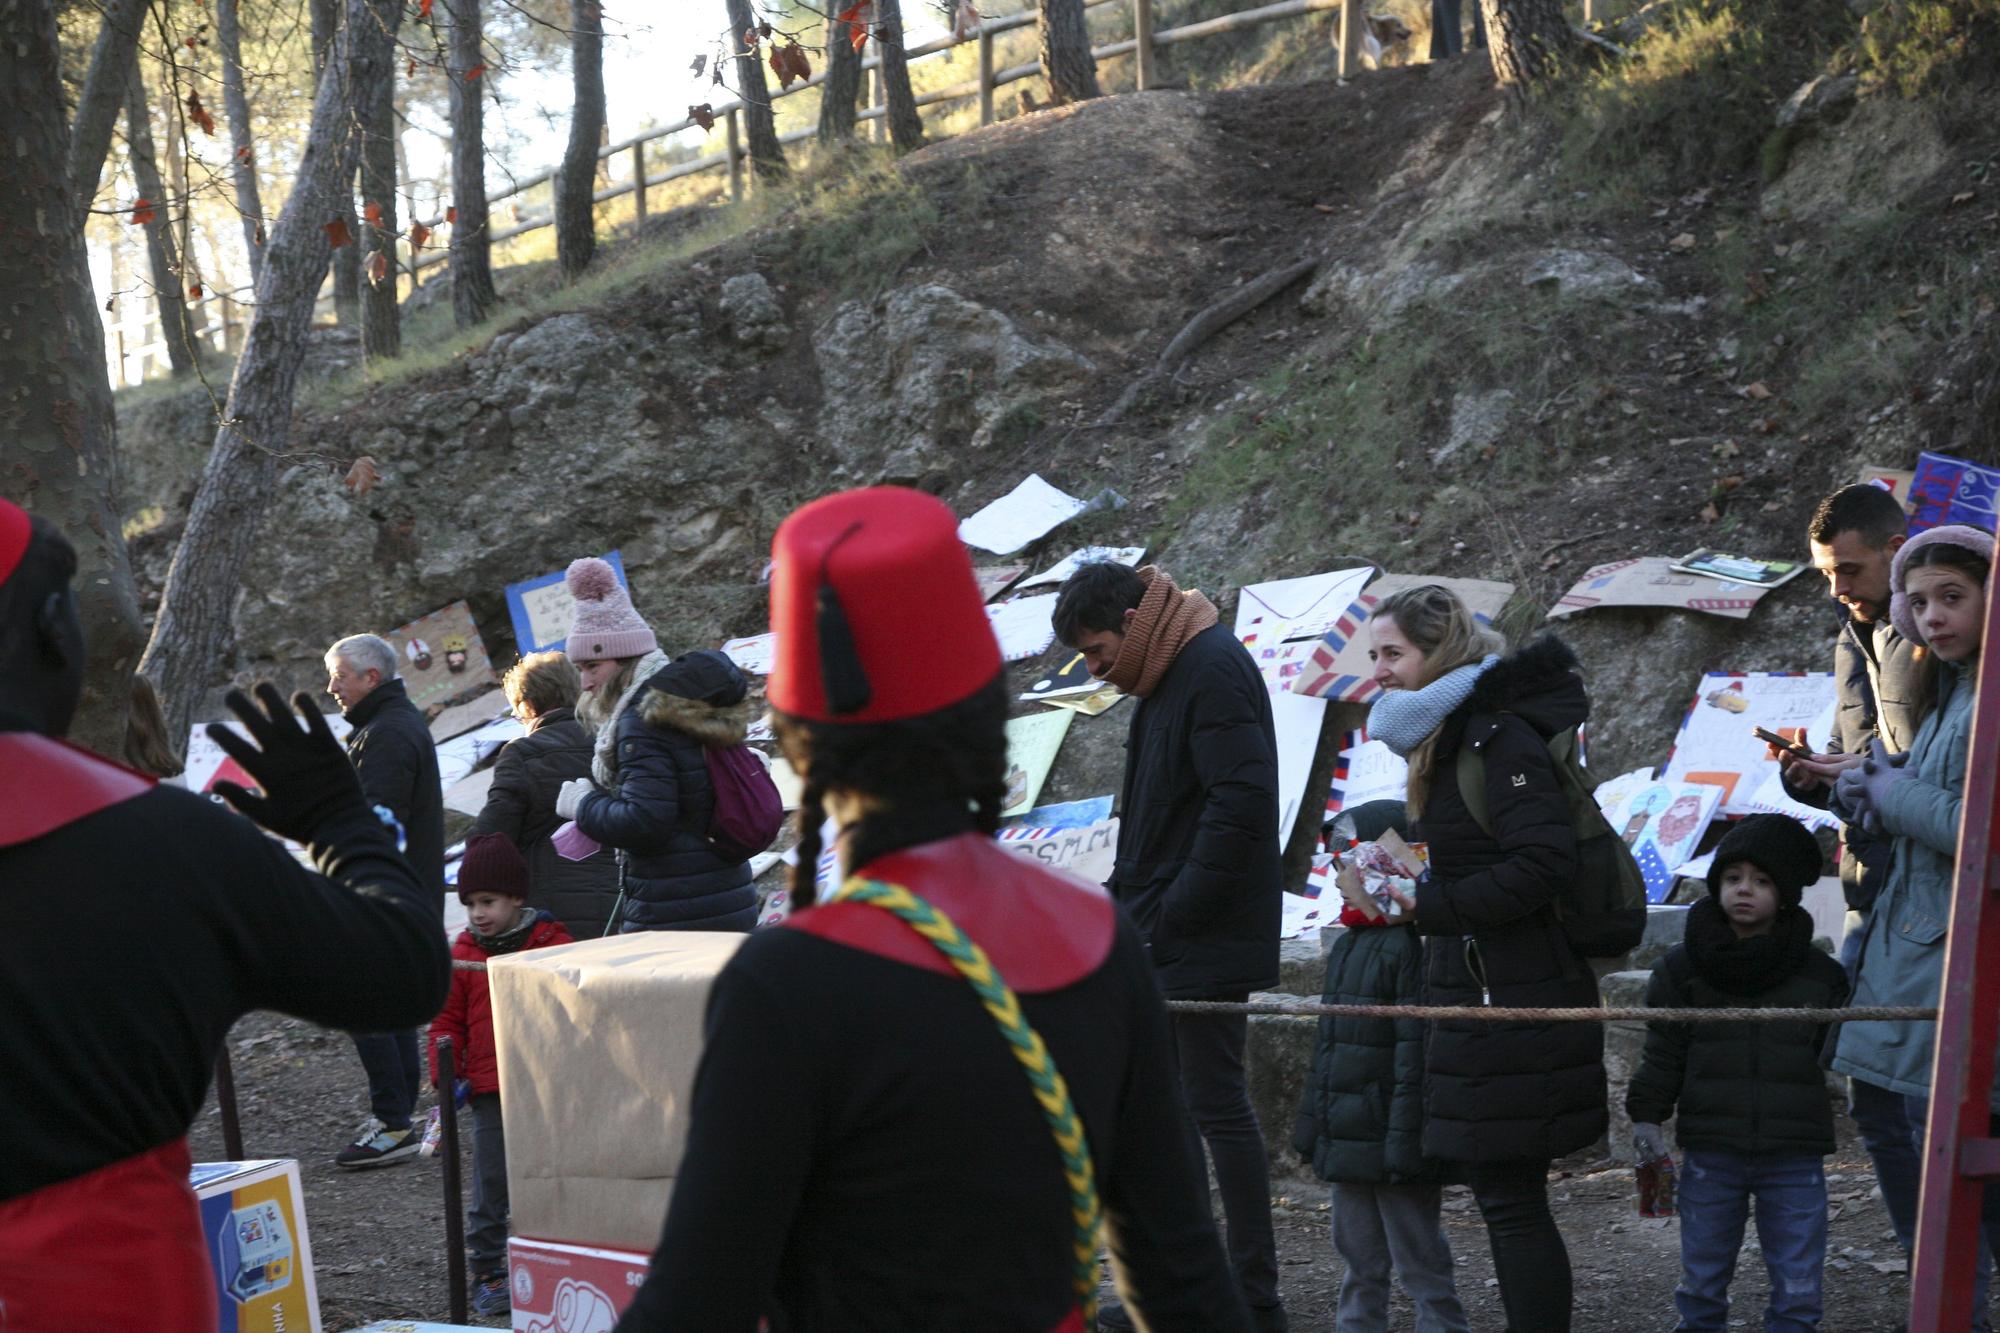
649	794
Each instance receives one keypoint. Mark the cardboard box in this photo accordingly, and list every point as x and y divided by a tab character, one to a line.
598	1043
559	1288
254	1218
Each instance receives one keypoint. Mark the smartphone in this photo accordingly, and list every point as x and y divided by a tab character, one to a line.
1803	751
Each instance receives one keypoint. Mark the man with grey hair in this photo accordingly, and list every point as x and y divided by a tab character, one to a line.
391	749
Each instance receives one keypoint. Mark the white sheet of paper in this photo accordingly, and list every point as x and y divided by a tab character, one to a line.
754	654
1088	852
1024	626
203	756
460	755
1031	510
1089	555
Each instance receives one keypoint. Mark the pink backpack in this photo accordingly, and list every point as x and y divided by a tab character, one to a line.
748	810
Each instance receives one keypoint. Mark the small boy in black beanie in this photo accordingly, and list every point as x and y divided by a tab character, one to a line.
1754	1118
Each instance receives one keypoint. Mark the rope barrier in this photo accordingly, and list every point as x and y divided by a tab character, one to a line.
1501	1014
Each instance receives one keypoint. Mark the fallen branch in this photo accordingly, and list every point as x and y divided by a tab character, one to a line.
1553	547
1204	326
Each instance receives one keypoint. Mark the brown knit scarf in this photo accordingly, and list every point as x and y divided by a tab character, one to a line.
1167	619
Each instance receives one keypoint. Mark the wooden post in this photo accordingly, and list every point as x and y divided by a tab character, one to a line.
1589	11
985	75
1351	19
1142	33
639	181
735	152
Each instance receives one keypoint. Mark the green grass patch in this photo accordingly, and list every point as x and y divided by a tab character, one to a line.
1920	47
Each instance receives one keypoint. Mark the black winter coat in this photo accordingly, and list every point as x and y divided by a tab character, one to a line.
1509	1091
522	804
1197	865
1881	689
659	814
1361	1120
1753	1088
397	761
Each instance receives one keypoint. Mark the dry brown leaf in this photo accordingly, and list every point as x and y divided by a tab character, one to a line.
1963	197
1710	513
1756	390
1727	449
361	478
1724	485
1683	242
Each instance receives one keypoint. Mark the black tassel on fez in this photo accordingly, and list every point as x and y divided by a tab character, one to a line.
846	680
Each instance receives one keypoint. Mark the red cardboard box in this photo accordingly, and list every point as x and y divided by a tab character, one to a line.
560	1288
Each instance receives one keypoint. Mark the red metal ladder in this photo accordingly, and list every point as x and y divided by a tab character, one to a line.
1961	1152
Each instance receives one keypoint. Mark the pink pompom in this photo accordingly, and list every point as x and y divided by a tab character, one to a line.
590	579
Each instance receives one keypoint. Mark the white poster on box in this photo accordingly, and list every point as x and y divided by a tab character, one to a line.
1718	744
559	1288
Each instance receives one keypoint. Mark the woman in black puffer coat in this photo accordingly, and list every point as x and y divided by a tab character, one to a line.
655	799
1502	1100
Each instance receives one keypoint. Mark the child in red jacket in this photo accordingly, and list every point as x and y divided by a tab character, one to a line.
493	885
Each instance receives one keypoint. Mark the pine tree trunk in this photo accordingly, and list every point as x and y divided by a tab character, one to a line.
767	157
183	350
347	259
243	147
906	127
58	439
1065	51
1531	42
104	93
576	182
842	86
192	632
381	316
472	295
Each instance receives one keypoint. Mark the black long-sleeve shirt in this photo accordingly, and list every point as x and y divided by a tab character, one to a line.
866	1154
134	937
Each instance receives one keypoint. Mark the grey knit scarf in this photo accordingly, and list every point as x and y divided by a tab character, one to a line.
1401	719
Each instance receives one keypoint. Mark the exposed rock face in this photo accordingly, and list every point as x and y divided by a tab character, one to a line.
756	318
924	372
1575	274
1477	420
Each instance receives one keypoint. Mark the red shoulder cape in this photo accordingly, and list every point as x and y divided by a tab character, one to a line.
1042	929
46	783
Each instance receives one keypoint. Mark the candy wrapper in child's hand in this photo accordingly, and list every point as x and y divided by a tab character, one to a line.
1370	870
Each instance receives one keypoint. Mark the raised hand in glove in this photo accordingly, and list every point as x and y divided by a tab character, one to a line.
1649	1142
572	795
303	776
1861	789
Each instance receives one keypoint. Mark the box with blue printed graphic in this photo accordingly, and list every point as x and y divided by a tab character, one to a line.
254	1219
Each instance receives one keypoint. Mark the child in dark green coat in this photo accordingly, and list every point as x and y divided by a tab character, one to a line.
1754	1120
1360	1124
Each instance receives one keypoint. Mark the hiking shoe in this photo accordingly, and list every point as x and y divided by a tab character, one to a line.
378	1145
489	1296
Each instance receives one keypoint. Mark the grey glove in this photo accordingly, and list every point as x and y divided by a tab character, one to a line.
1861	789
1649	1142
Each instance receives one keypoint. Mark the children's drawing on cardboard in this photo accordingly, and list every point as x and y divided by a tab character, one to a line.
1662	822
541	608
441	656
1338	666
1951	490
1652	580
1718	745
1730	568
1032	743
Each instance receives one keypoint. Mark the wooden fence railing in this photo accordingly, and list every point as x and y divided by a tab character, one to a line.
1144	41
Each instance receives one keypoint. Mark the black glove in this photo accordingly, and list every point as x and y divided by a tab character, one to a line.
303	774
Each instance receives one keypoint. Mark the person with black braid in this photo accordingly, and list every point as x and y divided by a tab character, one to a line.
919	1099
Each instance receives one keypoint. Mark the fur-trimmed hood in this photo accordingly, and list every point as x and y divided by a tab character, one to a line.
701	695
1542	684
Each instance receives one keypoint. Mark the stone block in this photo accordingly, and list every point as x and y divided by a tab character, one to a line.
1278	1058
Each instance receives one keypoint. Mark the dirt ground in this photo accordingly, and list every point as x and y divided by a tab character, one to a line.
378	1236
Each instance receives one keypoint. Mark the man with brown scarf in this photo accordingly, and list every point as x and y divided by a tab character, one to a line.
1197	866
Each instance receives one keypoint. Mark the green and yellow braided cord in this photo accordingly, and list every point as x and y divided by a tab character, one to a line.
1028	1048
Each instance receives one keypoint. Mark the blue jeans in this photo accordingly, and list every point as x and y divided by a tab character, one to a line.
1716	1190
1895	1145
390	1059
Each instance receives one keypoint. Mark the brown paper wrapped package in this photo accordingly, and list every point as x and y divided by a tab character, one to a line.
598	1044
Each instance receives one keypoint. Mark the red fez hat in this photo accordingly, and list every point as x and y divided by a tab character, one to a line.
15	529
877	612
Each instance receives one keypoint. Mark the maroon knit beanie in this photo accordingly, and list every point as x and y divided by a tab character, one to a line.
492	864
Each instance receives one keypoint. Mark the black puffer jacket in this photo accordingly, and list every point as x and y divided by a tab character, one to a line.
1197	865
1740	1087
1507	1092
1362	1117
659	813
522	805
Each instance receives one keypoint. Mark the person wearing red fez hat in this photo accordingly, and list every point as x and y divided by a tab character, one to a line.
142	921
917	1099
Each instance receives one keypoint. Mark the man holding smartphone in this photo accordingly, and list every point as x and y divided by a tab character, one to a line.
1882	692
